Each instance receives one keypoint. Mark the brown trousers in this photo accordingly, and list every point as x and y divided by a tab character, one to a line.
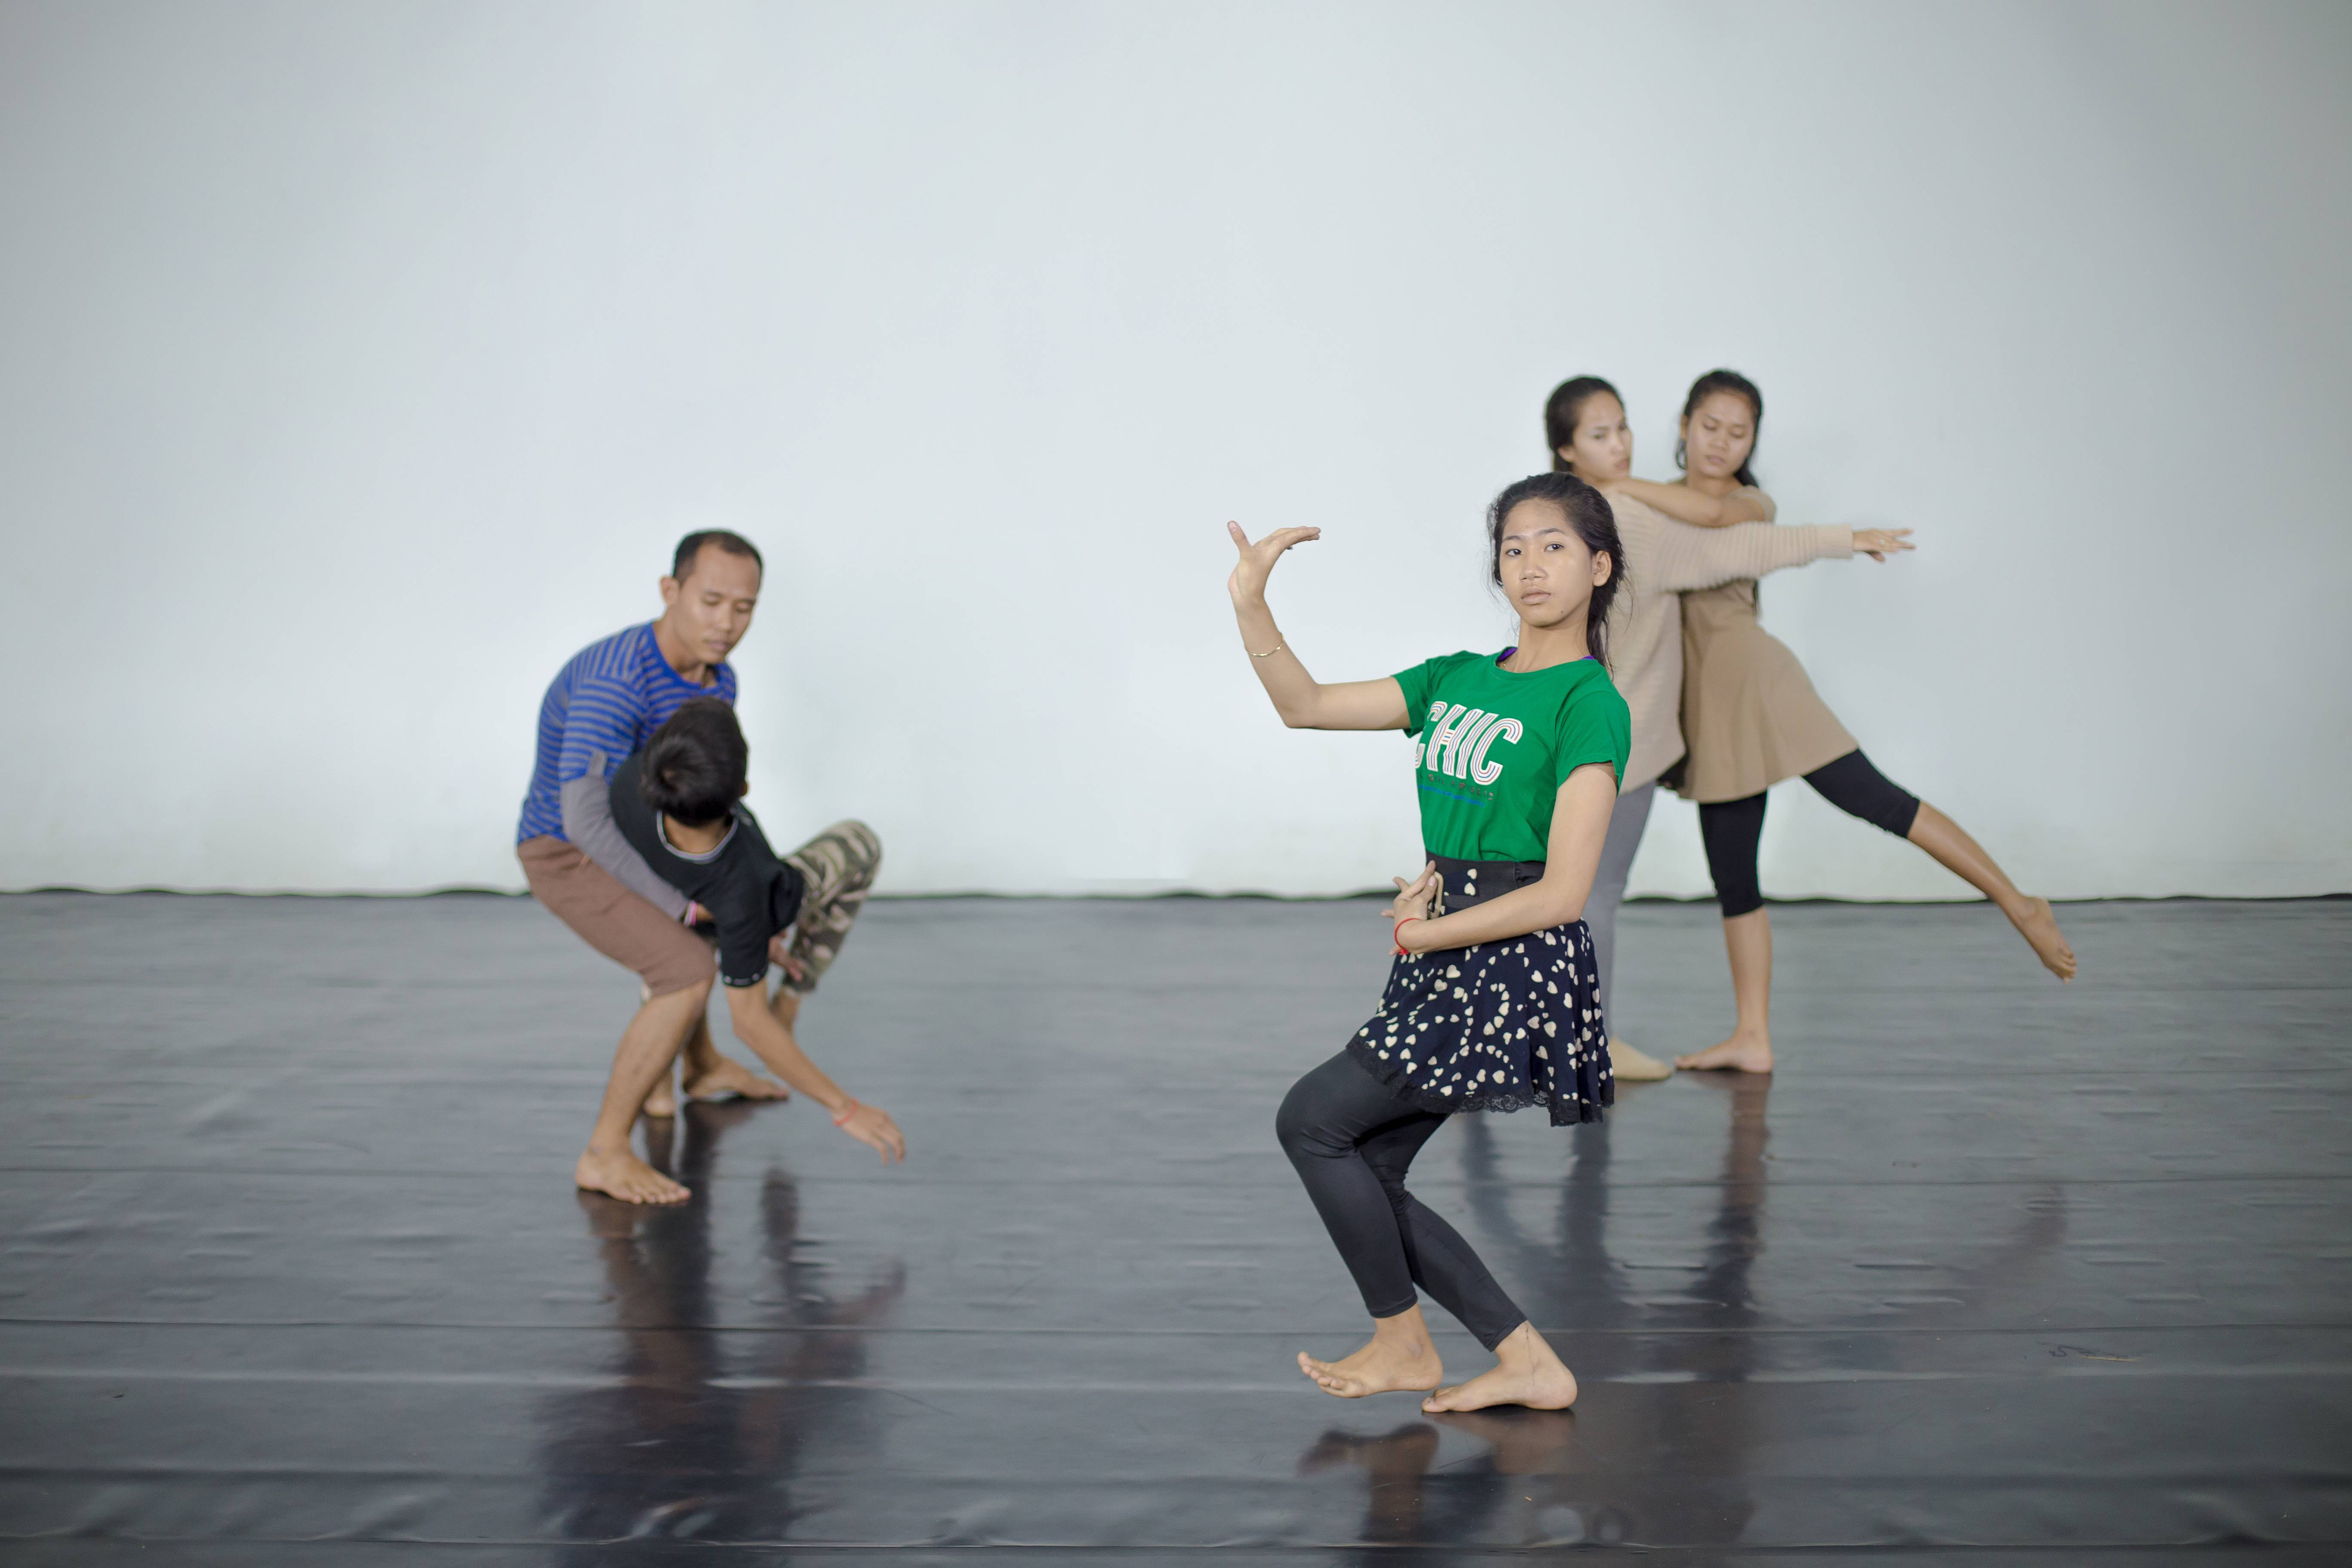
666	956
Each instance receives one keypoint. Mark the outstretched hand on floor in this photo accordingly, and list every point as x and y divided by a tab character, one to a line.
871	1125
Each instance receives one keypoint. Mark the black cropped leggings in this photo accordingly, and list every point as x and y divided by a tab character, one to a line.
1350	1138
1732	828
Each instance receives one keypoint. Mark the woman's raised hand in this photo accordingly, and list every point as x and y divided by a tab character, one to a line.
1257	564
1878	543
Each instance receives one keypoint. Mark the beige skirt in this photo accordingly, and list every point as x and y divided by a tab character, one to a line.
1750	717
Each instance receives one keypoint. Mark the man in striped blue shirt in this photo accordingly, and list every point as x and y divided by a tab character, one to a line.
603	705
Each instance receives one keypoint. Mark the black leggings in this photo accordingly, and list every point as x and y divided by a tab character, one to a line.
1350	1138
1732	828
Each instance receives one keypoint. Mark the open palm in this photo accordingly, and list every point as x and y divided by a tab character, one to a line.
1257	564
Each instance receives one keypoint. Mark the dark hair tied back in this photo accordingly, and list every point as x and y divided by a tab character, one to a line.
1564	407
1590	520
695	763
1739	385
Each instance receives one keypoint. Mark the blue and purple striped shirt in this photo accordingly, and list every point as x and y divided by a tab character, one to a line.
611	698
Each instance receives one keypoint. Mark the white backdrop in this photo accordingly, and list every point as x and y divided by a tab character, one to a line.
359	362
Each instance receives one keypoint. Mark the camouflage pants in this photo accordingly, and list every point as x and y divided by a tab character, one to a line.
836	868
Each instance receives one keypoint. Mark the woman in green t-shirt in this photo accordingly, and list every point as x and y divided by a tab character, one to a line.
1491	1003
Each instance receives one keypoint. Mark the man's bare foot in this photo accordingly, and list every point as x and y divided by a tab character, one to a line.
732	1081
1741	1053
2038	925
1629	1065
1526	1372
625	1177
1392	1361
661	1100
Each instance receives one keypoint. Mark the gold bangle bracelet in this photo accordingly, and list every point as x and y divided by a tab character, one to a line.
1267	654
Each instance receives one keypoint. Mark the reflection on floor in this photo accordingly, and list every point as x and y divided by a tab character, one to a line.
292	1272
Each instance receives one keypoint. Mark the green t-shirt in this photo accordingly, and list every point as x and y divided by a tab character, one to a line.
1491	748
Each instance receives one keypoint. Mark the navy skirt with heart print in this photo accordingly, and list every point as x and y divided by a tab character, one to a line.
1499	1026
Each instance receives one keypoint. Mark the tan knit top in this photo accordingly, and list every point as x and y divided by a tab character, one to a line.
1663	558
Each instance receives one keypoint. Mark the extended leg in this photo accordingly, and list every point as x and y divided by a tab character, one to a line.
1856	787
1942	837
1732	831
1631	816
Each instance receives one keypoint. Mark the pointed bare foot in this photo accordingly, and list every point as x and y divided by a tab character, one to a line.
625	1177
1526	1372
1629	1065
1741	1053
2038	925
732	1081
1380	1367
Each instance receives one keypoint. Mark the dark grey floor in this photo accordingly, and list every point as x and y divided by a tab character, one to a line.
293	1272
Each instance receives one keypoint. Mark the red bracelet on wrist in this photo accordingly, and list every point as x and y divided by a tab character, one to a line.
842	1119
1399	936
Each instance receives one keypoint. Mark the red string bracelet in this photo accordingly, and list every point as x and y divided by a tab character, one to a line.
844	1118
1399	934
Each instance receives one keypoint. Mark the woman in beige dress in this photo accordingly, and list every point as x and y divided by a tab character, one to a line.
1750	718
1584	425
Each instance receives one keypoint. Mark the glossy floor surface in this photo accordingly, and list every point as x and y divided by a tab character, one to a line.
294	1273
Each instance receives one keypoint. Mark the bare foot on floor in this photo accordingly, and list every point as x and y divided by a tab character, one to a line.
1377	1368
1525	1373
733	1081
1741	1053
661	1100
628	1178
1629	1065
2039	926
